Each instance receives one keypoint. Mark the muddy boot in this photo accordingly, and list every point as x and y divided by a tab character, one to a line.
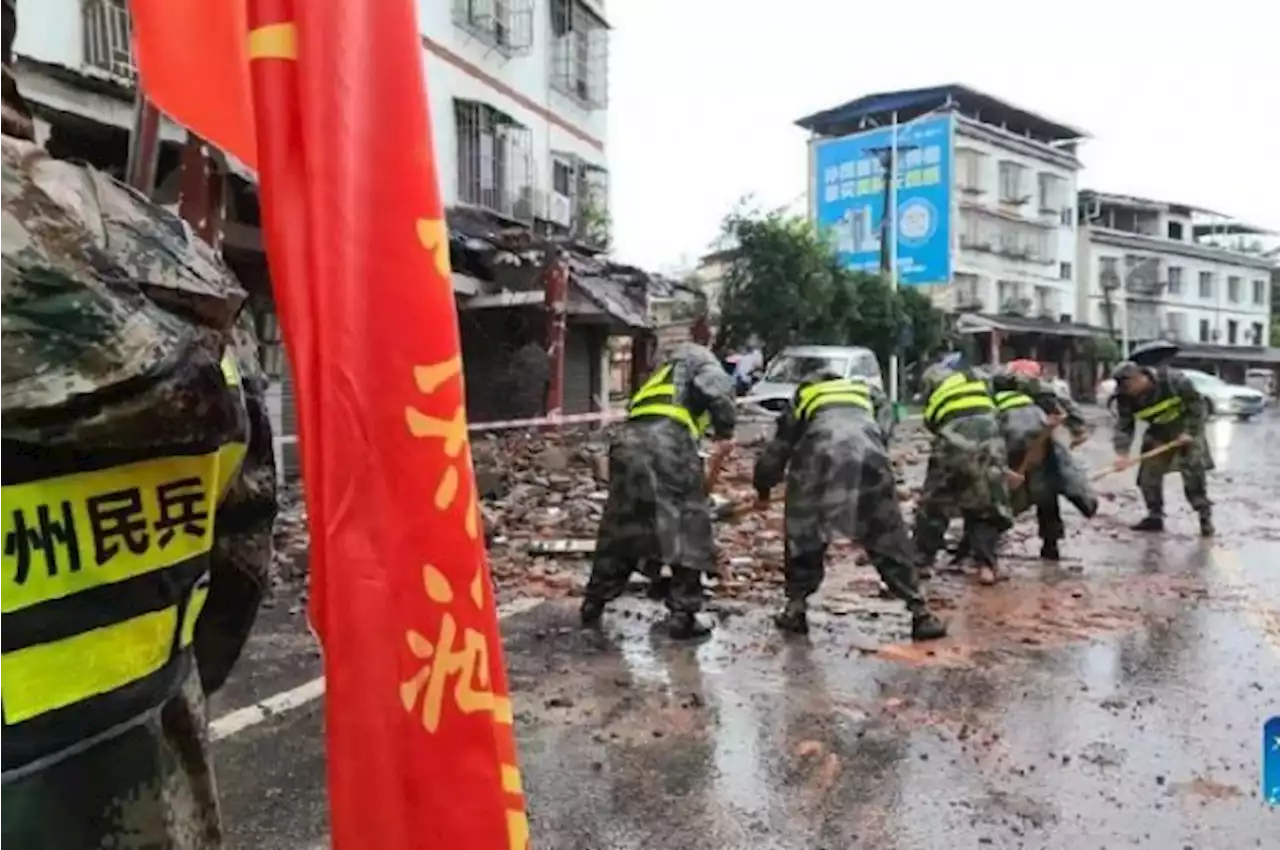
926	625
591	613
1206	525
794	617
1049	551
1149	523
682	625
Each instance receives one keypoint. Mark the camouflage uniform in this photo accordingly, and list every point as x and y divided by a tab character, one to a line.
121	347
1024	404
839	482
657	511
967	461
1171	407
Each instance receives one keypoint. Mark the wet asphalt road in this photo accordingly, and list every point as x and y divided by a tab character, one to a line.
1115	700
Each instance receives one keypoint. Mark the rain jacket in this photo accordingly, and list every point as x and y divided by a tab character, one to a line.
657	508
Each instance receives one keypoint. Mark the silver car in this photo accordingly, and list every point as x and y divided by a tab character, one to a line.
785	371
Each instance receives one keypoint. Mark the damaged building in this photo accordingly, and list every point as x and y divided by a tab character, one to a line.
518	98
507	309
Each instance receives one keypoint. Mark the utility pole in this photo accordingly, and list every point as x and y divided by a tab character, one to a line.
889	235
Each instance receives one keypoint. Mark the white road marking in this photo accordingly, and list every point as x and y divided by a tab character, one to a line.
242	718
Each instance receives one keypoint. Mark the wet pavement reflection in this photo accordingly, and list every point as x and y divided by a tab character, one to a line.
1115	699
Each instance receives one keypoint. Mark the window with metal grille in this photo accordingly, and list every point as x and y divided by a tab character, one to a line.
503	24
107	45
579	54
495	163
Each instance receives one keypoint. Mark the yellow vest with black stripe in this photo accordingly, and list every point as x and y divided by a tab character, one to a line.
106	570
958	396
657	398
1012	400
838	392
1166	411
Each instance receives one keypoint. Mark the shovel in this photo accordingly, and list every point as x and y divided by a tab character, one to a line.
1158	450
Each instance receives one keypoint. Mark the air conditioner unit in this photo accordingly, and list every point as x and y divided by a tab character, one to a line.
559	209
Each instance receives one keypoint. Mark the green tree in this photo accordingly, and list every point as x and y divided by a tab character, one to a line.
786	285
594	225
782	285
928	324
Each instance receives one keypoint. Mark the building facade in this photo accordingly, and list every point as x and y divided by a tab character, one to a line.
1016	238
1004	204
1153	269
518	95
519	102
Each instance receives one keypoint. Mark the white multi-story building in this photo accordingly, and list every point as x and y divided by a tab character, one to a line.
1148	269
518	91
519	97
1013	196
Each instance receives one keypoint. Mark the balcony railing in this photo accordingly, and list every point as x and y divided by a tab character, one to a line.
107	44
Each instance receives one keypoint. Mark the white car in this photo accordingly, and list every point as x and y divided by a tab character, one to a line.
783	374
1224	399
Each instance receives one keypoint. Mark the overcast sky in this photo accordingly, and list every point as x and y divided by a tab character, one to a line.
1180	105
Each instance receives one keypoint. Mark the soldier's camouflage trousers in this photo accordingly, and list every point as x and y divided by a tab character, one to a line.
609	577
1151	475
804	572
1049	525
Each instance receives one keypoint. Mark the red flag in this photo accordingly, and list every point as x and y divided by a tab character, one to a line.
418	714
193	63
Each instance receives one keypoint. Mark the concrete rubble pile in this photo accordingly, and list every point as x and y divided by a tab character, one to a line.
542	494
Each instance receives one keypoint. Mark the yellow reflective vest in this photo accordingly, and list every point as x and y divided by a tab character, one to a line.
959	395
105	573
838	392
1166	411
657	397
1011	400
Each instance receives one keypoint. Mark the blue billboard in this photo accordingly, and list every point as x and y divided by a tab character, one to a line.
850	191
